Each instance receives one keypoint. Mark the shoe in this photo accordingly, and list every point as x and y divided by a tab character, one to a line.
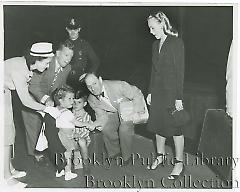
157	162
175	177
18	174
69	175
14	184
60	174
20	185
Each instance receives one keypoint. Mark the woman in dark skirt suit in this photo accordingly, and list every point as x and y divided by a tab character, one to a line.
166	90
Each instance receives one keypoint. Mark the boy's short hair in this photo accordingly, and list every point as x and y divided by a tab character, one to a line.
79	94
58	46
60	93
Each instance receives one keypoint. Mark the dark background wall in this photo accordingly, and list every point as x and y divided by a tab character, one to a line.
121	38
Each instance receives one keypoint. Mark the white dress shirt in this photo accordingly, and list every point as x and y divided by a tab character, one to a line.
106	98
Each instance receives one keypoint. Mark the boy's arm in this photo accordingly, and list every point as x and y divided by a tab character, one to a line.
89	126
79	123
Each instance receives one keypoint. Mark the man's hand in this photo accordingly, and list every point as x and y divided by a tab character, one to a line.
99	128
179	105
49	102
90	126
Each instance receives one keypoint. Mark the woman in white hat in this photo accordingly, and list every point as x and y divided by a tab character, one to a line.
17	73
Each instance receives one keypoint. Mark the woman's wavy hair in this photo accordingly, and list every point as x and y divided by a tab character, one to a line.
31	60
167	27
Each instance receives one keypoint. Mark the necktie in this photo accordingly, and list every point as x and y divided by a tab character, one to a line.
105	99
55	76
102	94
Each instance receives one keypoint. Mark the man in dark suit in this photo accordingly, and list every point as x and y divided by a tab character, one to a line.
41	87
84	60
105	98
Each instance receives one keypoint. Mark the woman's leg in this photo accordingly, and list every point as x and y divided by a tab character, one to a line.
7	161
7	171
160	143
16	173
179	147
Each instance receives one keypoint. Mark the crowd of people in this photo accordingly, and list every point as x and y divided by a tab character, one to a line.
61	84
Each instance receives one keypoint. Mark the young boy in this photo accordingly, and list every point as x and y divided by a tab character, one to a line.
82	116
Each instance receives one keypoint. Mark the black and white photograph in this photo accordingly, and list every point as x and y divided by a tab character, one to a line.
119	95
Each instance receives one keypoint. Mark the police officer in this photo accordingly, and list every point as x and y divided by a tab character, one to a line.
84	59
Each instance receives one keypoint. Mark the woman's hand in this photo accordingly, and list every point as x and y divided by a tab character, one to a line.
179	105
49	102
53	111
149	99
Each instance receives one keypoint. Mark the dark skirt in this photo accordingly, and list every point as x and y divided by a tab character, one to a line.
160	121
55	149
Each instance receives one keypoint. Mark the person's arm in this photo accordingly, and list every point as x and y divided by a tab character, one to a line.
152	68
178	54
89	126
35	88
101	117
21	86
151	81
93	58
79	123
134	94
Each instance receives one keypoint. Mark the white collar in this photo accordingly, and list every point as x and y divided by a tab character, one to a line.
104	91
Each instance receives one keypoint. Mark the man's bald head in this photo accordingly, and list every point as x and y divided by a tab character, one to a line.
94	84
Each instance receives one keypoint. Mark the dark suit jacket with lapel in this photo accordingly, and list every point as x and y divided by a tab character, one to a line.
117	91
40	83
166	86
168	66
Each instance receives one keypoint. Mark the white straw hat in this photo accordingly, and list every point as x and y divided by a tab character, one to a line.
42	49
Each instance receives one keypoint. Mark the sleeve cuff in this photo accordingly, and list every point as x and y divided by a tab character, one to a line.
44	98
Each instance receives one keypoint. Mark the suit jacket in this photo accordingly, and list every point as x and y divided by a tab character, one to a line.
168	67
40	84
117	91
84	58
166	86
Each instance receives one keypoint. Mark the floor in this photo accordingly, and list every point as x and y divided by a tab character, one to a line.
135	175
